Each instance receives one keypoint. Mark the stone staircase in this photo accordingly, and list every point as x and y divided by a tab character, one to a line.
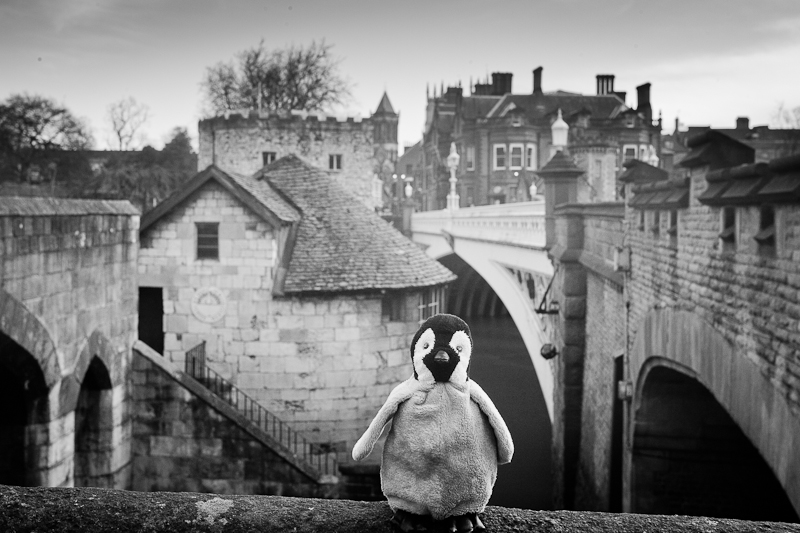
313	460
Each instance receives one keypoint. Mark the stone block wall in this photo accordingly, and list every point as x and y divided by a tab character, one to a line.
236	143
751	298
182	444
325	364
69	302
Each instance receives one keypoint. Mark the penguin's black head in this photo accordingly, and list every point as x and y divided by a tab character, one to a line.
441	350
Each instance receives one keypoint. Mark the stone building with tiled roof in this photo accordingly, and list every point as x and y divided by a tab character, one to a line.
504	138
306	299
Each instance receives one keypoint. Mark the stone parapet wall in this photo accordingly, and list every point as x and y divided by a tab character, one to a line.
96	510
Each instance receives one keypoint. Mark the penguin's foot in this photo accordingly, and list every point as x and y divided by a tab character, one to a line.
465	523
406	522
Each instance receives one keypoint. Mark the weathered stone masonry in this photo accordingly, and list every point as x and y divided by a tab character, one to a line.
662	289
68	318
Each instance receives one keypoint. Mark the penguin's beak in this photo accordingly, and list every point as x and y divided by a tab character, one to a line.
441	357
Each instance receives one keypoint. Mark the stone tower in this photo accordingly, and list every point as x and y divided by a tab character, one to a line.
384	134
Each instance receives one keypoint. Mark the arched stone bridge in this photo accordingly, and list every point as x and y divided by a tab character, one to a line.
504	244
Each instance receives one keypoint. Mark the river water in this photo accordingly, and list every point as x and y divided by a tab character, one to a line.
502	367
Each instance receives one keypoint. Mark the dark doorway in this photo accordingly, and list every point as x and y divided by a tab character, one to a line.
502	367
617	429
93	429
22	391
151	317
690	457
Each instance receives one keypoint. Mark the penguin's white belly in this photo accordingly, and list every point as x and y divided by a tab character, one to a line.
440	457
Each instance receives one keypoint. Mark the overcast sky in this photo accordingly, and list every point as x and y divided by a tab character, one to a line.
709	61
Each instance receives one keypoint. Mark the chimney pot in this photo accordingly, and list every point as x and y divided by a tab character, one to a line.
537	80
742	123
605	84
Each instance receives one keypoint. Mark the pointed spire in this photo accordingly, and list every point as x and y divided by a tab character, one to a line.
385	106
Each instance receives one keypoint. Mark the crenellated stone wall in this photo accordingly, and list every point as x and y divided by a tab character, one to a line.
236	142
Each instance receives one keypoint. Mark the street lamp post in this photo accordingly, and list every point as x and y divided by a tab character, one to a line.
452	164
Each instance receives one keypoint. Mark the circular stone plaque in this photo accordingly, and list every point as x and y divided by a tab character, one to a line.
209	304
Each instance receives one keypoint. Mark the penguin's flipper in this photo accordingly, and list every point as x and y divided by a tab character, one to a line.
505	446
401	393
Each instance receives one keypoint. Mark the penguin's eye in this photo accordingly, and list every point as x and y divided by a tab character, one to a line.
425	346
459	348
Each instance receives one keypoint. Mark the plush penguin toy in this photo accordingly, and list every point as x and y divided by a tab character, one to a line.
447	437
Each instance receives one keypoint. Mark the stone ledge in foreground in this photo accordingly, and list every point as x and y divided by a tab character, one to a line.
87	510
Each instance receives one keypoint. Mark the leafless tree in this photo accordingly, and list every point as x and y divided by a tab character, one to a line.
283	79
788	119
127	117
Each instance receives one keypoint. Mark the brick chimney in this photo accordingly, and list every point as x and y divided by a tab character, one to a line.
742	123
643	95
537	80
501	83
605	84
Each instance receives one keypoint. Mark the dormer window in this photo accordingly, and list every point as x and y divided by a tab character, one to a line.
516	121
268	157
766	235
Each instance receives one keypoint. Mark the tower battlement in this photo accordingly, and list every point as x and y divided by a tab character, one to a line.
251	118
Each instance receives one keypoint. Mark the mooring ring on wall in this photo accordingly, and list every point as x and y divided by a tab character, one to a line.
209	304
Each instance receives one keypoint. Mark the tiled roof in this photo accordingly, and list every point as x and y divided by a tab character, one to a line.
33	206
268	196
340	244
539	105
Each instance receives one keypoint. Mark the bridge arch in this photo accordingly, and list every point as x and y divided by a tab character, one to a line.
677	353
495	264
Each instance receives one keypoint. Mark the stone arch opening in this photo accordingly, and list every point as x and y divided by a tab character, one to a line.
93	460
690	457
502	366
23	402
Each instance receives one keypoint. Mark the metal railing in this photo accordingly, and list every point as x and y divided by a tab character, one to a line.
321	459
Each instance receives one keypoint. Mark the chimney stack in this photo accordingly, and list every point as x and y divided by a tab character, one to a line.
537	80
643	95
742	123
605	84
501	83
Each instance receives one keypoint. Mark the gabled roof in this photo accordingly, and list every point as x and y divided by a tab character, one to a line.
266	203
341	245
385	106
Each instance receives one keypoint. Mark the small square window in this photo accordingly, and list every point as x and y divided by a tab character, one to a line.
516	156
499	156
207	240
728	234
268	157
629	152
335	161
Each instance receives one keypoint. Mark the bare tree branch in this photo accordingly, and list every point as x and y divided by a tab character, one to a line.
304	78
127	117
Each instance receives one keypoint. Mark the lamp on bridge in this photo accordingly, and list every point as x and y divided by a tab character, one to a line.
452	164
